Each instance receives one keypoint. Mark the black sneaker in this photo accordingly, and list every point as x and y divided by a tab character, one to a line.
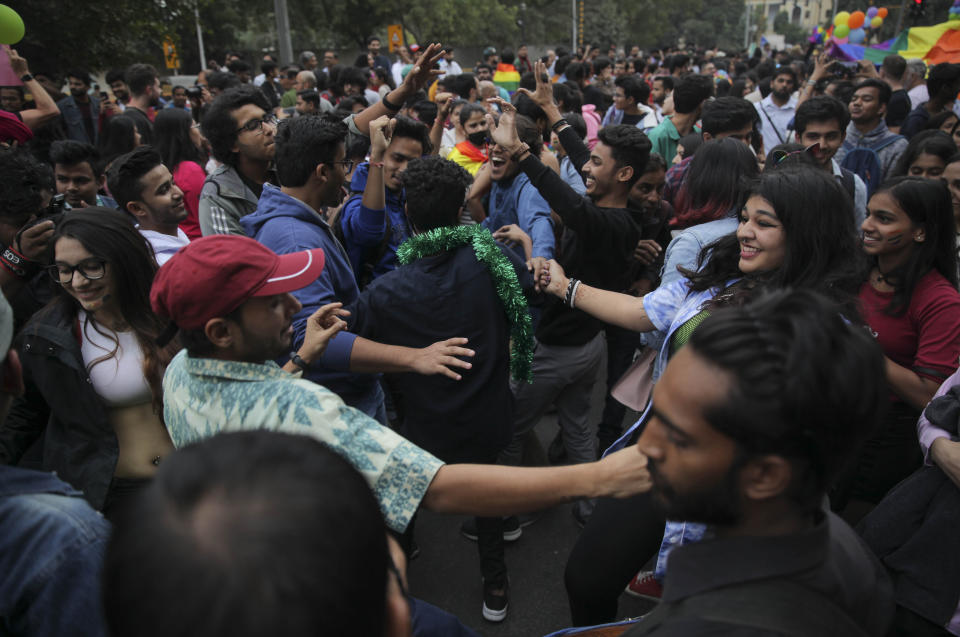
511	529
495	602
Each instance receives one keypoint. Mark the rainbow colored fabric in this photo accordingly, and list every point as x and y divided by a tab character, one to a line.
507	77
933	44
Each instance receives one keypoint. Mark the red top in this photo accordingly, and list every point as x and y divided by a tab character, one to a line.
189	178
926	338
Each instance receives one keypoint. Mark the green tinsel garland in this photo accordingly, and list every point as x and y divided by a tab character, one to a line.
504	279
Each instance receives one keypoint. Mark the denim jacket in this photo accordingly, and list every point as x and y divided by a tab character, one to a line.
51	549
668	307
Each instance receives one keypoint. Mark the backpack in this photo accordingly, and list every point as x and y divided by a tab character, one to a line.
370	256
849	183
865	162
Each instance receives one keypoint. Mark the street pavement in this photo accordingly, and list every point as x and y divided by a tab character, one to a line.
447	572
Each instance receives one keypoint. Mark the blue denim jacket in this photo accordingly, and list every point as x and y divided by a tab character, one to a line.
668	307
51	551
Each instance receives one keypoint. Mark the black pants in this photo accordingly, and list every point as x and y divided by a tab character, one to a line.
121	495
620	537
887	457
493	566
621	345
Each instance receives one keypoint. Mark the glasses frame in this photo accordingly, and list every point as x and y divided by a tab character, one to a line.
348	164
269	118
54	270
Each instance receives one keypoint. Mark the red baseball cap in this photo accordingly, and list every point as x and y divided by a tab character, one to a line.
12	129
214	275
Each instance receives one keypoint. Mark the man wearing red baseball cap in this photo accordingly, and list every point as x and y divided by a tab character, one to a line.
230	298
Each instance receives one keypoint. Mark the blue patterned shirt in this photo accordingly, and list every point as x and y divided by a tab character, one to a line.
204	396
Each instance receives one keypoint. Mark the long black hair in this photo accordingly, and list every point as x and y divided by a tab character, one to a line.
821	247
928	204
712	187
926	142
110	235
118	137
171	132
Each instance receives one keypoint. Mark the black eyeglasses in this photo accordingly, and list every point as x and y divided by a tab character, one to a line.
90	269
255	125
346	163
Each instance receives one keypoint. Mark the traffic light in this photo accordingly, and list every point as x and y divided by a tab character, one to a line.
918	8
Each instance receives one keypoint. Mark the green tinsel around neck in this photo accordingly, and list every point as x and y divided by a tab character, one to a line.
504	279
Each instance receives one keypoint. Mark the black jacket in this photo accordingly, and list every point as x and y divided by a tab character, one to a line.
79	444
437	297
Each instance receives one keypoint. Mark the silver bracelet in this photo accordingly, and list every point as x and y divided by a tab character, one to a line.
573	295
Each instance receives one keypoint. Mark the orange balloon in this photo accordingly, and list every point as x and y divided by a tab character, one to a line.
856	20
882	12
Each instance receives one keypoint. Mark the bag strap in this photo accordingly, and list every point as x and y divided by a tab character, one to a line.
778	606
887	142
775	129
849	183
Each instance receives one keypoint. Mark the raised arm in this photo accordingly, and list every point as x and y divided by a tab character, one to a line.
46	109
444	101
418	78
623	310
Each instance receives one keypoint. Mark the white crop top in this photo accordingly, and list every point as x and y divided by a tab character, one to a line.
119	380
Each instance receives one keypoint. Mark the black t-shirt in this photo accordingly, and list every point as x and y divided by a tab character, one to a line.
631	120
898	108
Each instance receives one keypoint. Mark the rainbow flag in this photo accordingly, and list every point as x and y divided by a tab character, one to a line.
933	44
507	77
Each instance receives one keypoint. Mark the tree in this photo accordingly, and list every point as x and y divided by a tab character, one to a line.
792	33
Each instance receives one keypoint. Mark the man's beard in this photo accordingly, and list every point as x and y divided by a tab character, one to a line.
782	95
717	504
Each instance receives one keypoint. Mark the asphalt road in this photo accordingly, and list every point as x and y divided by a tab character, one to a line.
447	572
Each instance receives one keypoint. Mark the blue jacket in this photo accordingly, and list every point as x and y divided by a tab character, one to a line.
286	225
517	201
363	228
73	119
51	550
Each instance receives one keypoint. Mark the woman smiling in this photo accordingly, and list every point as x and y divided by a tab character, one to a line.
92	364
911	303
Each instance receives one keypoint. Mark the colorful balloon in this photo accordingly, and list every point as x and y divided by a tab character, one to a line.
11	26
842	31
882	12
872	13
857	36
856	20
841	18
876	23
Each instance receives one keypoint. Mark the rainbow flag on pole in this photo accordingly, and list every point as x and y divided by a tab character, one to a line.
933	44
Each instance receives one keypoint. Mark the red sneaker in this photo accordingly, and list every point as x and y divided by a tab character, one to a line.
644	585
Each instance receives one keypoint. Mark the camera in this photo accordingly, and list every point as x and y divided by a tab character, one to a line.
194	92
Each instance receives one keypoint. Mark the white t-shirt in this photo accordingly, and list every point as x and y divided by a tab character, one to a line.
118	380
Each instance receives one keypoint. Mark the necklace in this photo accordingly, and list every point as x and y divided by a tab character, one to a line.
504	280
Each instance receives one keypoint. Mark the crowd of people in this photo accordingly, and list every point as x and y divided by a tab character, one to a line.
255	325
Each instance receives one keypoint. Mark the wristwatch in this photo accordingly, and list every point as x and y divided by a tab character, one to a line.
26	78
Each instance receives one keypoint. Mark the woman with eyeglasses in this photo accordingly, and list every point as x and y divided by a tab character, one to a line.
92	364
181	146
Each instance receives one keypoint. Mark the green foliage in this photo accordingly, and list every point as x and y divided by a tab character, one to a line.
793	33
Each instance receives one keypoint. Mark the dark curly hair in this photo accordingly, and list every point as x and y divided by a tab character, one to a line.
435	190
628	146
22	186
219	126
304	143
